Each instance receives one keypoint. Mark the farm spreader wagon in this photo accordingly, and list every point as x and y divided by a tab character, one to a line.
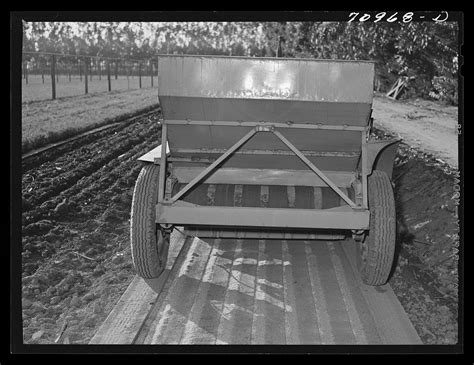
266	148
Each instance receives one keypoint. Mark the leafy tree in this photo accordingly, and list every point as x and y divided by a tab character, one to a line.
425	50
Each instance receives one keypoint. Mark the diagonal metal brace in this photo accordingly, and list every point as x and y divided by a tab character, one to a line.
244	139
317	171
211	167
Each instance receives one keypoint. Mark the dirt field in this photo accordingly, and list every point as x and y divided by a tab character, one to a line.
52	120
37	90
426	186
426	277
76	257
75	221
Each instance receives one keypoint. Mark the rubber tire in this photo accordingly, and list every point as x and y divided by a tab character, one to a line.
147	242
378	247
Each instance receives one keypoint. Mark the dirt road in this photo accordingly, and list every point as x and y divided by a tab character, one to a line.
422	124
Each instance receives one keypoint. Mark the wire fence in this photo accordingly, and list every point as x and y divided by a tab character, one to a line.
53	75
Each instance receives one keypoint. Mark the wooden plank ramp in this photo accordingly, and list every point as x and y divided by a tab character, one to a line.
232	291
258	291
124	322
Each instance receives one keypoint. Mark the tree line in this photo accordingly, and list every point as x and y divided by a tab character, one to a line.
426	50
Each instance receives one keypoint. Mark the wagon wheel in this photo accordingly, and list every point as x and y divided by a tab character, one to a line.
149	243
376	251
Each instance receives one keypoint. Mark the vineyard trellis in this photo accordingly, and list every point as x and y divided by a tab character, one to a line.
80	72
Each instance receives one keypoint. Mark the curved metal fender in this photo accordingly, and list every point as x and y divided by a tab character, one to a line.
155	153
381	155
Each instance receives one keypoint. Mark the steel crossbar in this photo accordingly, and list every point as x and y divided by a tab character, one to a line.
258	127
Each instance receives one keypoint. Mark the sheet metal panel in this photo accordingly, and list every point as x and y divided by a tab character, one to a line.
247	176
331	163
196	136
269	89
335	218
221	137
207	137
266	78
305	205
256	110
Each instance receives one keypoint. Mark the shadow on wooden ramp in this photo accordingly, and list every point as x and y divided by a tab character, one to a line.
227	291
124	322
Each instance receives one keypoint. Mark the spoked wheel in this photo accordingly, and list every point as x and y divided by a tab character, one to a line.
149	243
375	252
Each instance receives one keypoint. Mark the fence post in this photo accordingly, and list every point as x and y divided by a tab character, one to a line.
98	69
108	76
80	68
127	66
26	71
140	75
151	72
89	63
53	76
86	85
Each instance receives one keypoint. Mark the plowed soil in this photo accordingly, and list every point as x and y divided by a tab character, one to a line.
76	254
425	277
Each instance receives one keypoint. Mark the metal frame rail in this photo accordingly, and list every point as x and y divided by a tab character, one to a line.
172	211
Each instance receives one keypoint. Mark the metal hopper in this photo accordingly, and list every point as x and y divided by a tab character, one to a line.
264	123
